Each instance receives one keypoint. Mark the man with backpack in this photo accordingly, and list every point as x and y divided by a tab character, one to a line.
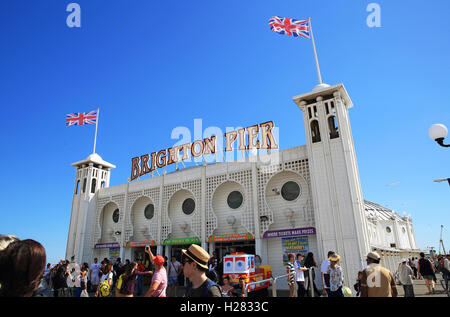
195	265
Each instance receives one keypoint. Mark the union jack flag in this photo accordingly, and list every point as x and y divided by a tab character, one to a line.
81	118
290	26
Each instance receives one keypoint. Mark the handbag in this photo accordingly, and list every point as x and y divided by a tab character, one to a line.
326	278
180	279
347	291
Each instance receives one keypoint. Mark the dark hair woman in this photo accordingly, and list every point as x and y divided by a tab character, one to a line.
129	280
310	263
22	265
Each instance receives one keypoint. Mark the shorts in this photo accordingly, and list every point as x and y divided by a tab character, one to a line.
428	277
173	280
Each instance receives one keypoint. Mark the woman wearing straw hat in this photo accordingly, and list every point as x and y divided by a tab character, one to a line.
195	265
336	278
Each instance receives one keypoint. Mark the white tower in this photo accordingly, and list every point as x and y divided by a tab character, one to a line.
92	174
338	202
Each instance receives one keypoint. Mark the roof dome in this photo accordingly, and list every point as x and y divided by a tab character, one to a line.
94	157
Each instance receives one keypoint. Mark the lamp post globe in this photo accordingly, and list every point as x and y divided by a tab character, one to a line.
438	132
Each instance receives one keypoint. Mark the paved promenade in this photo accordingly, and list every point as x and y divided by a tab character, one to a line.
420	290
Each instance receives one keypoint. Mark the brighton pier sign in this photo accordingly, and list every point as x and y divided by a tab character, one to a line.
248	140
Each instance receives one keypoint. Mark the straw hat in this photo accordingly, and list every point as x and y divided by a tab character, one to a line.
198	255
334	258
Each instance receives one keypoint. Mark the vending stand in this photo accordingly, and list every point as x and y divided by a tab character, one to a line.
237	265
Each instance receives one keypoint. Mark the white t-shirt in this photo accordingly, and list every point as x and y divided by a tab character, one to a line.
299	273
108	276
173	268
324	270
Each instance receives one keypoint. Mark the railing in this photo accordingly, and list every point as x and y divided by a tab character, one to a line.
273	281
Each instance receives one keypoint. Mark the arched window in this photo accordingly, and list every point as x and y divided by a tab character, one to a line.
76	188
84	185
332	125
315	132
103	185
93	185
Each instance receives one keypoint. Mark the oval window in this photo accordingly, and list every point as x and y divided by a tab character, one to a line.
388	230
149	211
235	199
290	191
188	206
115	215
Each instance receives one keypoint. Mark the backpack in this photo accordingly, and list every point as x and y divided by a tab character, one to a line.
347	291
119	282
205	288
444	270
104	289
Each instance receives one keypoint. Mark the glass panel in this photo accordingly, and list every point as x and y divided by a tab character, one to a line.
115	215
149	211
235	199
290	191
188	206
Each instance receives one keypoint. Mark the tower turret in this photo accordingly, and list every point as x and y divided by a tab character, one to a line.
92	174
338	202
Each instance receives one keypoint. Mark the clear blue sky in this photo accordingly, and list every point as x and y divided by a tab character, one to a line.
152	66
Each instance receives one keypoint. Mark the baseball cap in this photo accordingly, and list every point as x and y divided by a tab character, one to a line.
373	256
159	259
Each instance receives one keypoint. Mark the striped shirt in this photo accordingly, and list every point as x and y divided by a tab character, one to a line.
290	268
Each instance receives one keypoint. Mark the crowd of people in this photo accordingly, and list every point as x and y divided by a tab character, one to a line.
24	272
374	281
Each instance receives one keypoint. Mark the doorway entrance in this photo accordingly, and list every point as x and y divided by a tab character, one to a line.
175	250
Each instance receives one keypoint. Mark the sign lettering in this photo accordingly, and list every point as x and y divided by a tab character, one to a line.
144	164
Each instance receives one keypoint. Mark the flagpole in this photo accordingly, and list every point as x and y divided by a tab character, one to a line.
96	125
315	52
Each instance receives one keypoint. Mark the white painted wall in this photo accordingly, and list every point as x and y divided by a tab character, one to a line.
279	206
177	216
139	221
223	211
108	224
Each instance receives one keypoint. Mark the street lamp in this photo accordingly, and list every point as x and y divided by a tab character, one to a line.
438	132
442	180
